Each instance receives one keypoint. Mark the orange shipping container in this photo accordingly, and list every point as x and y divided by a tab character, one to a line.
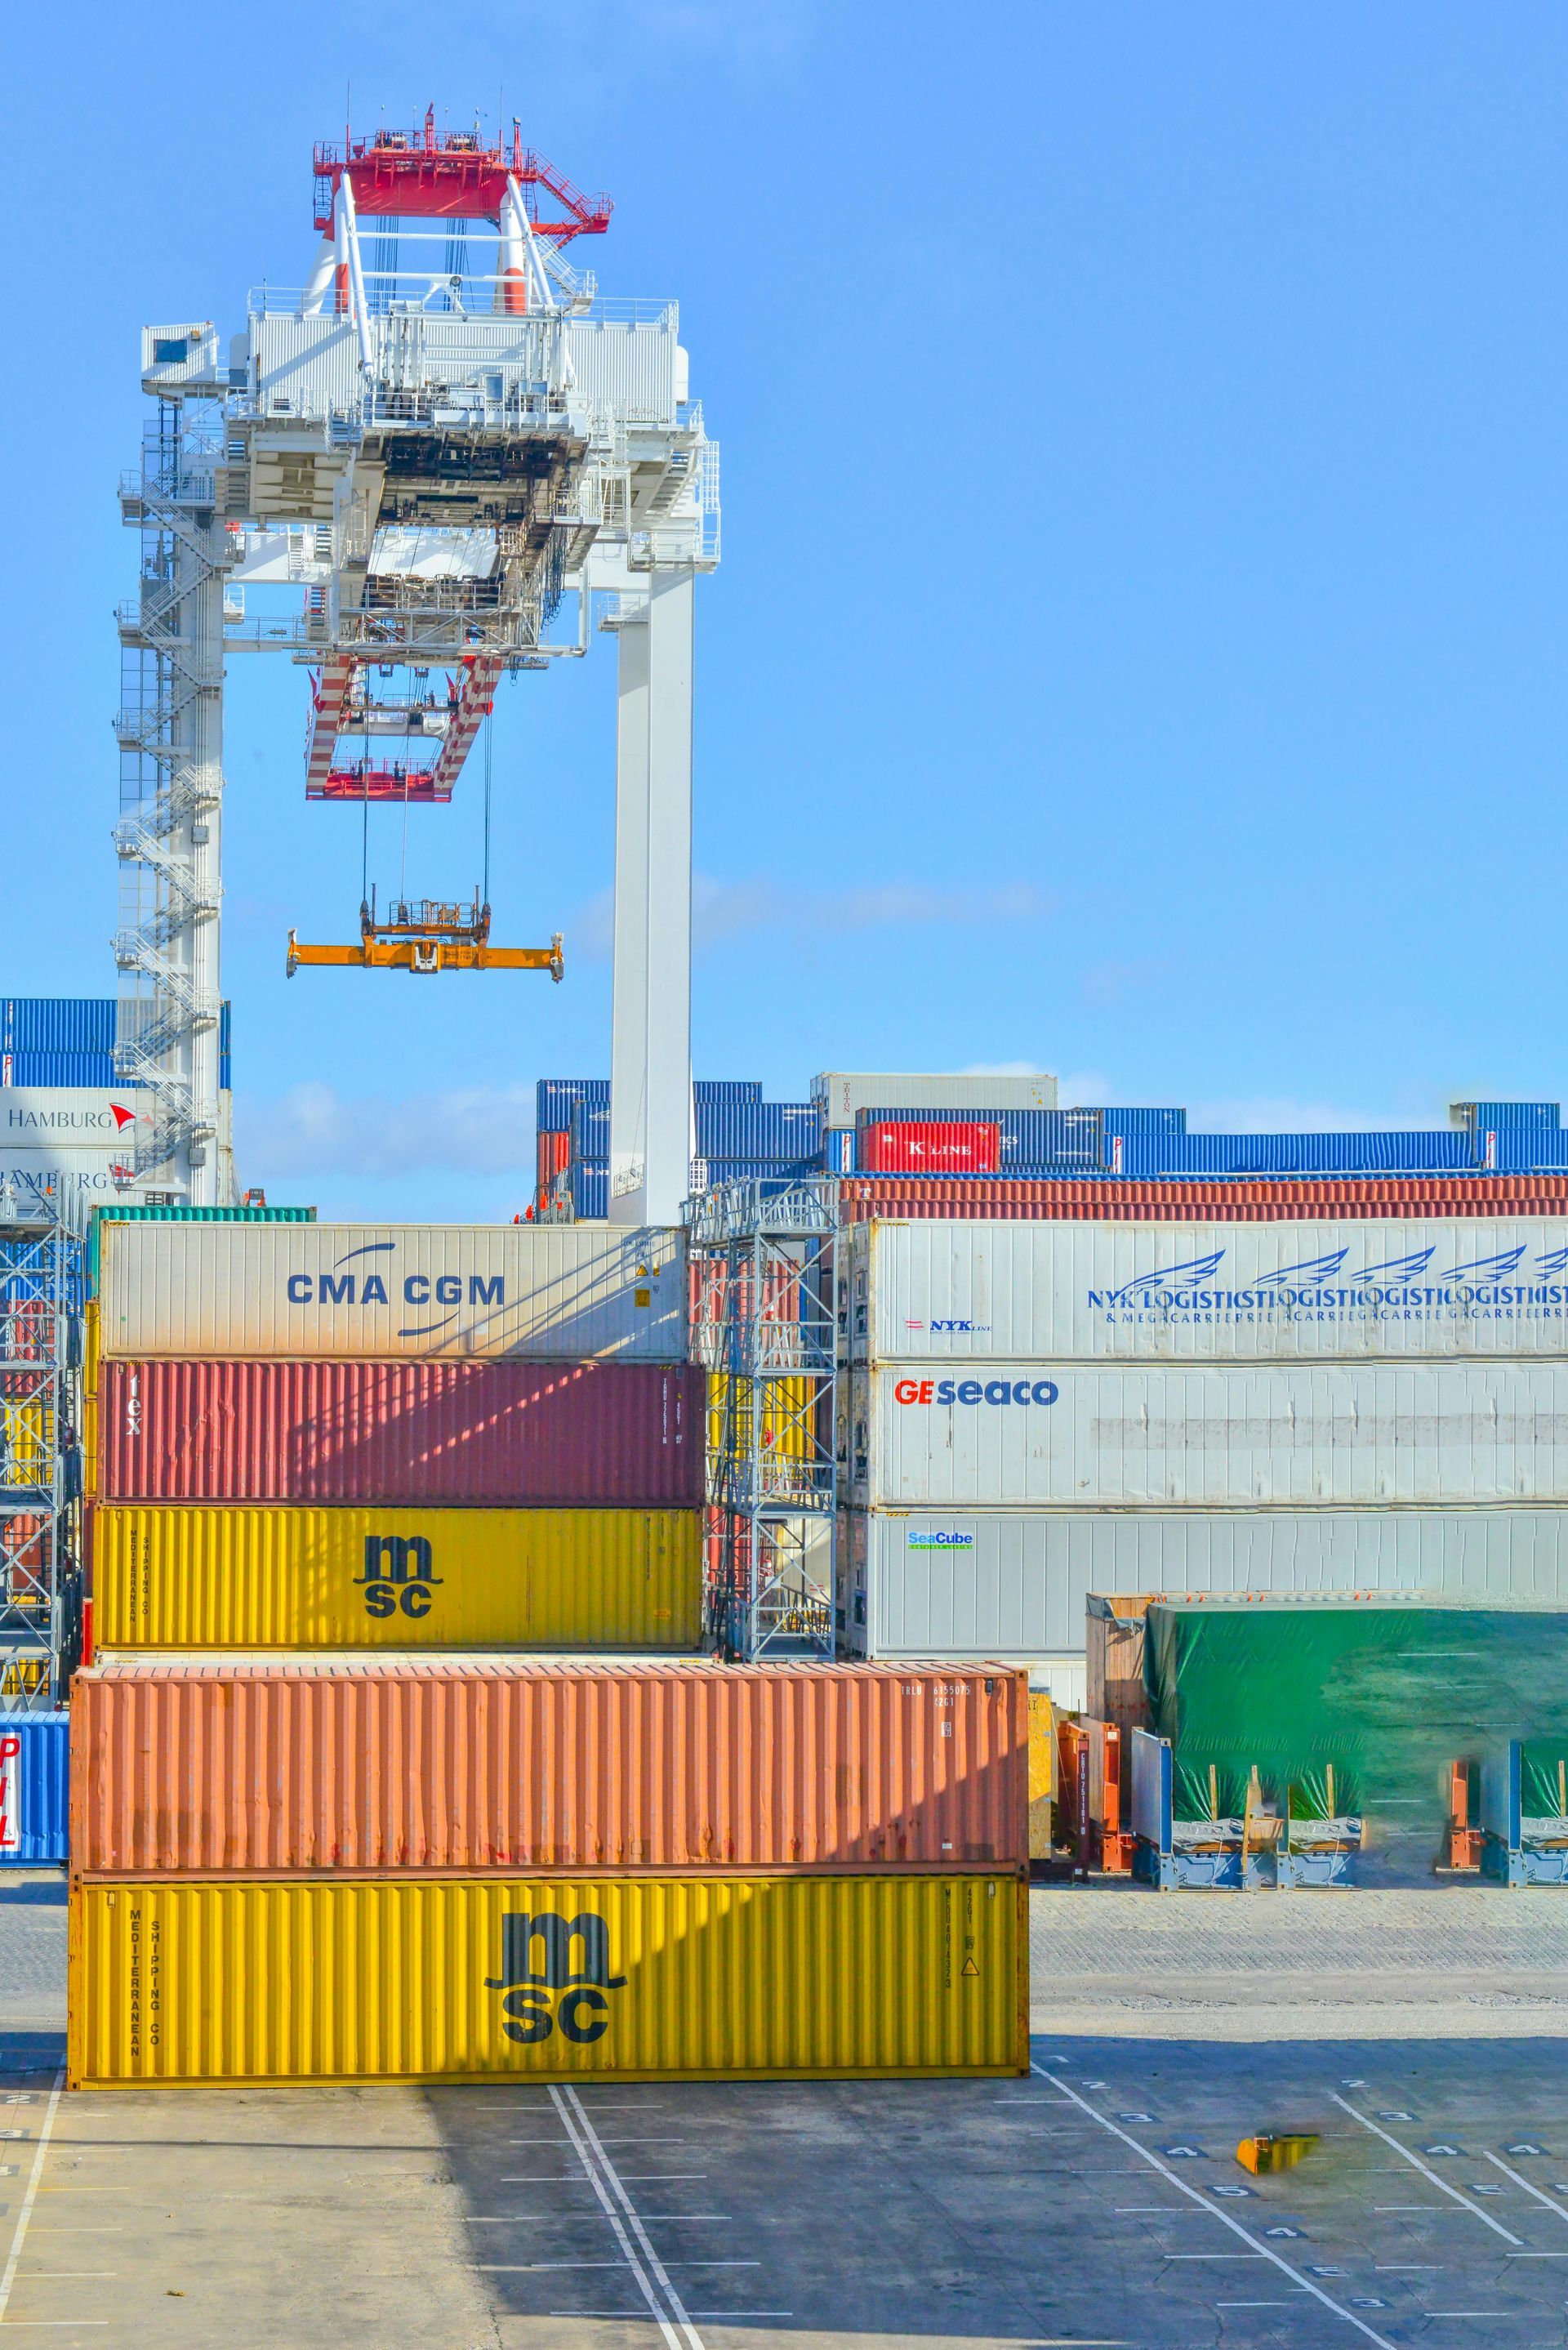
467	1764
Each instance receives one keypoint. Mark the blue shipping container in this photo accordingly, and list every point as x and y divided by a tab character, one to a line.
1479	1118
785	1131
35	1780
590	1190
555	1097
57	1024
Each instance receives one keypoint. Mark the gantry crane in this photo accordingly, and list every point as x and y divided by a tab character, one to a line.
444	448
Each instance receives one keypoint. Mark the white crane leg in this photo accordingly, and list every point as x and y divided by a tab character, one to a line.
628	1006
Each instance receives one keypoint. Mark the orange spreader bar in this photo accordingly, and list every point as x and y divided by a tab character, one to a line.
425	955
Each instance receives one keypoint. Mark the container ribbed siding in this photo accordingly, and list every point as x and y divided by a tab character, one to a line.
563	1979
788	1408
907	1198
969	1147
551	1294
34	1775
69	1040
963	1291
119	1214
994	1583
500	1434
842	1095
555	1097
1015	1433
406	1577
184	1769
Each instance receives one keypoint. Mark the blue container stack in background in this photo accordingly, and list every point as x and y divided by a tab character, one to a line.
69	1040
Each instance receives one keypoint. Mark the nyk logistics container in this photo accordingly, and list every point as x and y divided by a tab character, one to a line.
988	1583
275	1979
1259	1435
956	1293
504	1434
33	1774
552	1293
201	1766
400	1576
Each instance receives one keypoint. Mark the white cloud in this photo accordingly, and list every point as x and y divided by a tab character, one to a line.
1001	1069
729	910
1284	1114
1085	1089
313	1131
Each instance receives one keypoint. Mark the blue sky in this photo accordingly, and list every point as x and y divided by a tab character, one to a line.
1139	646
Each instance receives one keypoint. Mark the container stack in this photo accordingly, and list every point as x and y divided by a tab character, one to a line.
428	1869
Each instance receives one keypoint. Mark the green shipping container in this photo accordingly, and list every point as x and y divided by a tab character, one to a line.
1386	1694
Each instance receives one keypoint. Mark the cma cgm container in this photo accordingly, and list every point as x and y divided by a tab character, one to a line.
507	1434
1008	1582
550	1292
1010	1434
306	1764
401	1576
545	1977
34	1771
947	1292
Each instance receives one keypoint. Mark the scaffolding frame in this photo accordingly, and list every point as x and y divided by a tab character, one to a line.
42	1288
765	1329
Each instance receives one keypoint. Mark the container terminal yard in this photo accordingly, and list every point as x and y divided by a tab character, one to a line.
915	1714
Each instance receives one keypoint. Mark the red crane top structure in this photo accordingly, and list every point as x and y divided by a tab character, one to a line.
428	174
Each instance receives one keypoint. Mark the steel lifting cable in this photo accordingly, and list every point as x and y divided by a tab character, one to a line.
489	730
408	746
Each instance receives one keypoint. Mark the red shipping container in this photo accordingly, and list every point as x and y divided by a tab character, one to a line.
554	1156
1183	1200
902	1146
312	1763
510	1435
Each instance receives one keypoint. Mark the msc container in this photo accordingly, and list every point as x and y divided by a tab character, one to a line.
1174	1200
1254	1436
34	1771
547	1978
992	1583
301	1764
181	1215
405	1576
553	1293
931	1148
961	1292
502	1434
842	1095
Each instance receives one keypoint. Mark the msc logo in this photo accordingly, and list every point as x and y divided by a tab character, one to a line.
538	2000
398	1573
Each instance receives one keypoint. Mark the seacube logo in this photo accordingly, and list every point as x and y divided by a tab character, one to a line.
946	1392
399	1573
555	1996
374	1284
937	1538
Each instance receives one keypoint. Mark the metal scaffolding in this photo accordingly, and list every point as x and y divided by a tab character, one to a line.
766	1330
42	1276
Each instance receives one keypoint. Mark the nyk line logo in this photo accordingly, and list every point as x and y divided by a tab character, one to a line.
555	1996
367	1285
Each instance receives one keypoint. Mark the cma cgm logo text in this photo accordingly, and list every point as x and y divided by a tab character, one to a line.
541	1990
399	1574
368	1285
975	1391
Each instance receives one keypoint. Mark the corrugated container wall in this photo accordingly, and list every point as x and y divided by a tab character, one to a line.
1003	1199
969	1148
433	1979
960	1292
186	1769
551	1294
998	1583
555	1097
504	1434
842	1095
1258	1435
119	1214
34	1779
406	1577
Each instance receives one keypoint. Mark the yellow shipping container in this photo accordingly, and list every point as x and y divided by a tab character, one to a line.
787	1431
1042	1773
643	1978
26	1441
172	1576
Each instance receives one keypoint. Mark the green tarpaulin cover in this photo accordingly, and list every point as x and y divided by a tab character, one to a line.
1388	1692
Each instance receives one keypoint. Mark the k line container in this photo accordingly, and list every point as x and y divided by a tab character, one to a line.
1200	1201
1262	1435
504	1434
961	1292
33	1774
929	1147
191	1768
1002	1583
168	1576
563	1978
550	1292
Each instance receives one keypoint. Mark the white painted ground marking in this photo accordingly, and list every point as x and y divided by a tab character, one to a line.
1225	2219
1430	2176
18	2235
1528	2187
641	2258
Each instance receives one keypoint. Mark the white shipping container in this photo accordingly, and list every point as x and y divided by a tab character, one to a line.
843	1092
942	1291
1003	1435
551	1292
1014	1584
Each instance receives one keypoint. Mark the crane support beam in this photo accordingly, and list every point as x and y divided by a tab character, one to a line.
475	697
331	706
418	787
